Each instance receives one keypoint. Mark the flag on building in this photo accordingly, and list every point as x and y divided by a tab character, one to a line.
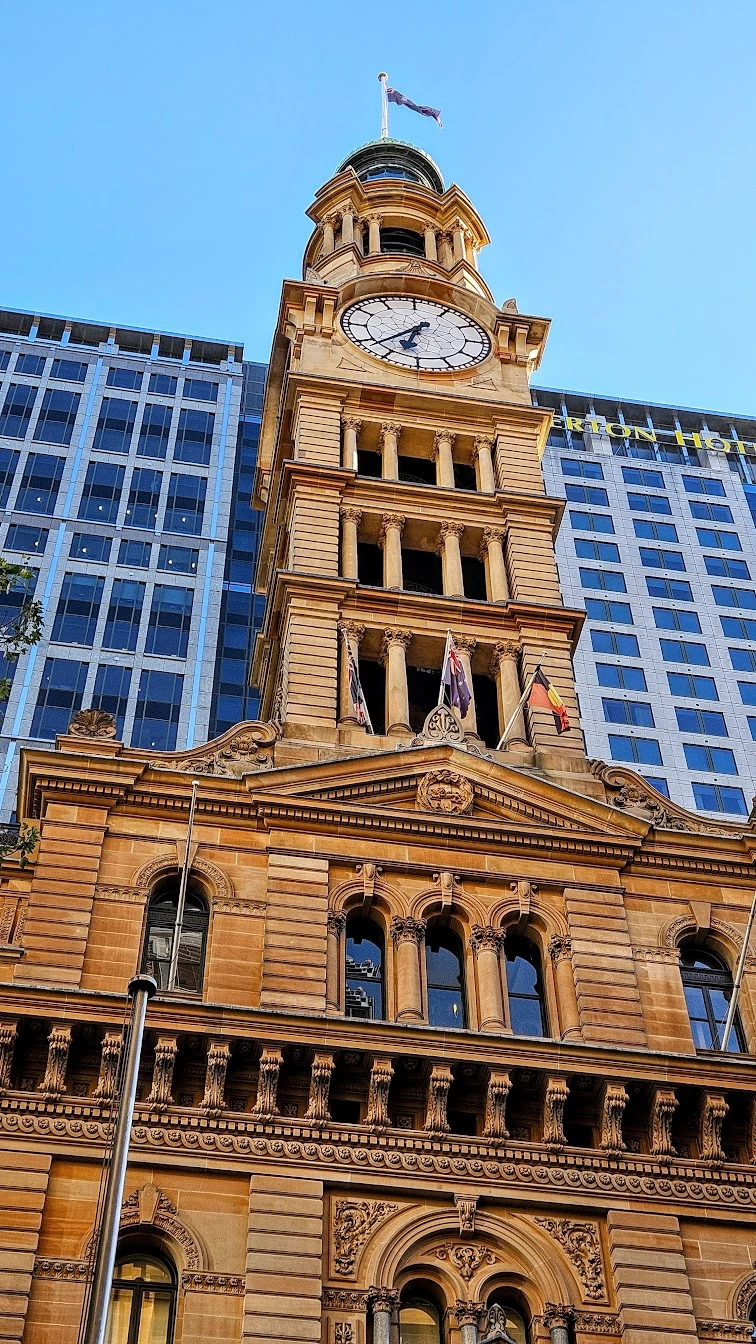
356	693
453	679
544	696
394	96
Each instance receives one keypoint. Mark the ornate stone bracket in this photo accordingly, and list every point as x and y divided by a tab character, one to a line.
466	1206
581	1243
320	1085
613	1102
714	1108
110	1060
266	1105
663	1107
215	1077
440	1081
166	1051
499	1087
380	1081
58	1046
555	1097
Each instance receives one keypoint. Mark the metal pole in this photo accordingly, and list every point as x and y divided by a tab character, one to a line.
173	971
738	977
384	106
442	688
521	702
141	988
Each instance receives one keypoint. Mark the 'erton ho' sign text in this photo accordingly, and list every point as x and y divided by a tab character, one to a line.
642	434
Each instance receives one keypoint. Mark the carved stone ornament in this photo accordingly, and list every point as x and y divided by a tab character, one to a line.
555	1097
445	791
727	1332
215	1077
58	1046
560	947
597	1323
663	1108
443	728
8	1034
496	1326
343	1332
381	1074
383	1299
469	1313
151	1205
466	1257
466	1207
345	1299
407	930
266	1105
714	1108
93	723
320	1085
745	1298
353	1221
630	793
582	1245
613	1102
556	1314
232	1284
499	1087
244	748
162	1073
110	1060
436	1121
66	1271
487	939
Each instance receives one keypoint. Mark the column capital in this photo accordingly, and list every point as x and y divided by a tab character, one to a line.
351	514
374	217
507	650
490	534
560	947
390	637
555	1314
450	529
336	922
468	1313
408	930
443	436
353	629
383	1299
351	422
480	442
486	939
466	644
389	520
390	427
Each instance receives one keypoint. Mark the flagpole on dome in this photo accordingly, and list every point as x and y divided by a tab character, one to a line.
528	688
384	105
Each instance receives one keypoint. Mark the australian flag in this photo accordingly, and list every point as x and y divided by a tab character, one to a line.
356	693
394	96
453	679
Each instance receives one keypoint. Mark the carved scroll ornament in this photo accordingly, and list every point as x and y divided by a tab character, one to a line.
353	1221
582	1245
465	1257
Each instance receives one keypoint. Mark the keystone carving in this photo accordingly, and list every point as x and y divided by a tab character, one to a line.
162	1073
320	1086
110	1060
266	1105
663	1109
58	1046
555	1097
445	791
440	1081
353	1221
8	1034
499	1087
582	1245
467	1259
215	1077
466	1208
93	723
613	1102
714	1108
380	1081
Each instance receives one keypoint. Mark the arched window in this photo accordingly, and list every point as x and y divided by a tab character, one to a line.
752	1319
445	973
419	1322
708	989
364	969
143	1301
158	944
527	1010
407	241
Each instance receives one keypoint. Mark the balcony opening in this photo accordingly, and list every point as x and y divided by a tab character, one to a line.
474	577
486	710
369	463
464	476
345	1112
463	1122
406	241
369	564
422	572
422	688
417	470
373	678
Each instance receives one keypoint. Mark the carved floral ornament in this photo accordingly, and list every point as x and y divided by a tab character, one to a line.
627	791
466	1257
445	791
581	1243
245	748
353	1222
94	723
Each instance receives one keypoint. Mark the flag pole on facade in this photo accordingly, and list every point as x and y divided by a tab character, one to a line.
173	971
738	978
384	105
442	687
513	718
454	679
356	693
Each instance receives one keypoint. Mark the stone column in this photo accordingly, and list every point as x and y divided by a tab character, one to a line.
354	633
451	557
458	242
347	226
443	445
384	1301
466	648
560	951
556	1318
492	552
409	943
390	539
329	229
447	256
374	234
336	923
487	945
394	655
389	442
352	427
350	521
431	250
468	1316
482	456
504	670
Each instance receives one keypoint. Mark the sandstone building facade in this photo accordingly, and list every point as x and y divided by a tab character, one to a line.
442	1063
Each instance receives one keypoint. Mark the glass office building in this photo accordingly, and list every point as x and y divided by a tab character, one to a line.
658	545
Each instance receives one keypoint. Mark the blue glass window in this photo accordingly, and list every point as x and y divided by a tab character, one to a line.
699	756
726	567
658	783
653	557
743	660
186	504
752	726
693	685
644	750
78	608
59	697
445	976
124	615
154	430
620	677
600	610
144	498
8	463
364	970
745	598
200	389
130	379
115	425
713	536
527	1004
679	590
194	438
747	692
648	503
608	579
635	712
707	985
709	721
587	494
170	619
57	416
670	618
582	467
587	548
610	641
718	513
69	370
111	692
720	798
27	540
652	530
164	384
737	627
136	554
31	364
157	711
652	480
684	651
591	522
4	360
178	559
40	483
16	412
703	485
101	494
90	546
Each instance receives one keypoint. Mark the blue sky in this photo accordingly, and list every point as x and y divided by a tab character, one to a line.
158	159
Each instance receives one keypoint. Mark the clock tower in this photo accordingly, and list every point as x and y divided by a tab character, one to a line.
400	470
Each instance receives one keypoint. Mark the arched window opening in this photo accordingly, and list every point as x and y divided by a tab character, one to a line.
143	1300
445	973
506	1322
364	970
158	945
406	241
419	1321
752	1319
527	1008
707	983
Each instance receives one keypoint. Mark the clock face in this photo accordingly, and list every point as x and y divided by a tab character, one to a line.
416	333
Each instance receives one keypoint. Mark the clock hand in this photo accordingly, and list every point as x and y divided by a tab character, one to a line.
409	331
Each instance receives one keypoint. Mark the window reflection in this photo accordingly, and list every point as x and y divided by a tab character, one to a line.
444	968
364	969
525	987
419	1322
708	989
142	1303
161	922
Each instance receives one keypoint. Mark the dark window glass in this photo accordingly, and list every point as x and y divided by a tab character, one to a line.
743	660
157	711
364	970
671	618
720	760
78	608
527	1008
644	750
101	494
115	425
653	557
719	798
609	641
688	683
444	967
194	438
678	590
130	379
90	546
154	430
708	989
170	619
59	696
164	384
200	389
703	485
745	598
710	721
725	541
591	522
57	417
144	498
635	712
738	628
135	553
186	504
658	783
648	503
653	480
27	540
652	530
582	467
111	692
178	559
624	678
718	513
16	412
599	610
608	579
161	925
8	463
747	692
683	651
587	494
31	364
587	548
124	614
69	370
752	726
142	1301
726	567
4	360
40	483
406	241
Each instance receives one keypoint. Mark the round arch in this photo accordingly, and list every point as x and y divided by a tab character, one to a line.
214	884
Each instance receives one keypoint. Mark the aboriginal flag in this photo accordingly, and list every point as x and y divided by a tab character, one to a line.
544	696
394	96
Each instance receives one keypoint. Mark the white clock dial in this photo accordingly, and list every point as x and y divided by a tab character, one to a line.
416	333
